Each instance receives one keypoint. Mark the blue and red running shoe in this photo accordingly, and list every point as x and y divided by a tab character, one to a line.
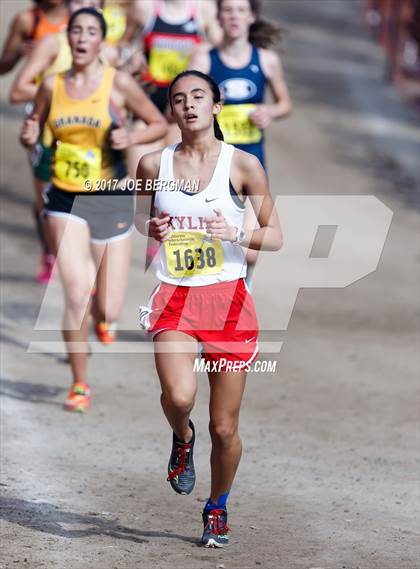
181	472
215	533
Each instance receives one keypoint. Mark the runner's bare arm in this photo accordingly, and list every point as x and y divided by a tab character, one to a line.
278	86
137	16
136	101
201	60
209	21
16	43
248	176
282	106
147	221
110	54
24	87
33	125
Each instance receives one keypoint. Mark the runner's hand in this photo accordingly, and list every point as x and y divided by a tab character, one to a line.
30	131
218	228
136	64
261	117
160	227
120	138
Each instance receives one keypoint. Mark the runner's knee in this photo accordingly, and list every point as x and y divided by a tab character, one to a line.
182	402
223	431
77	300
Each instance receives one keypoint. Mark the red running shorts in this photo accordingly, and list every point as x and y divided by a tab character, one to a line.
221	317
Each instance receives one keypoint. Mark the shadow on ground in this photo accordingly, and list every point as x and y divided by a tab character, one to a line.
50	519
32	392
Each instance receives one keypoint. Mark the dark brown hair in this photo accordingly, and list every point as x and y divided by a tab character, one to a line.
262	33
90	12
214	89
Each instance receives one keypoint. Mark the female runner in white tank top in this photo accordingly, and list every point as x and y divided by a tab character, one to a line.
202	298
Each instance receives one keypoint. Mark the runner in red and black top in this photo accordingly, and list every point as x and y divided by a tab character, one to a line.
168	47
171	31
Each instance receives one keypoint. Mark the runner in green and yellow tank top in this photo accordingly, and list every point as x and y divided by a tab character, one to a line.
81	128
86	109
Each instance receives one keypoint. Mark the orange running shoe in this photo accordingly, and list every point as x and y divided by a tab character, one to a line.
78	398
106	333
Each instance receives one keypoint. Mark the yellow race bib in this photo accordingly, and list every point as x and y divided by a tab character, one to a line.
191	253
165	64
236	126
76	165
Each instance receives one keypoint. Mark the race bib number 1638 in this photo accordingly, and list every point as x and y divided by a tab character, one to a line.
189	253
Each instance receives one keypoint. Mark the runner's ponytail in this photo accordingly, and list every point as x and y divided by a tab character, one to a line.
217	130
262	33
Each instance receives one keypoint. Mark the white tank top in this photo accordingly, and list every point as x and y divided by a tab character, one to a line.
190	257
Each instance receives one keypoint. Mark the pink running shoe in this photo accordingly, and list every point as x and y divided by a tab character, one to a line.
45	273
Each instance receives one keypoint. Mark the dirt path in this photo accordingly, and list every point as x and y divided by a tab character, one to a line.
329	474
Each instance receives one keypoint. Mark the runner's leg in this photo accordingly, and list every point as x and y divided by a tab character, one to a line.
226	391
112	262
72	246
177	379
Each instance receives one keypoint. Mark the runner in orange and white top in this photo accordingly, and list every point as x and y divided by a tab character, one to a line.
29	27
202	297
